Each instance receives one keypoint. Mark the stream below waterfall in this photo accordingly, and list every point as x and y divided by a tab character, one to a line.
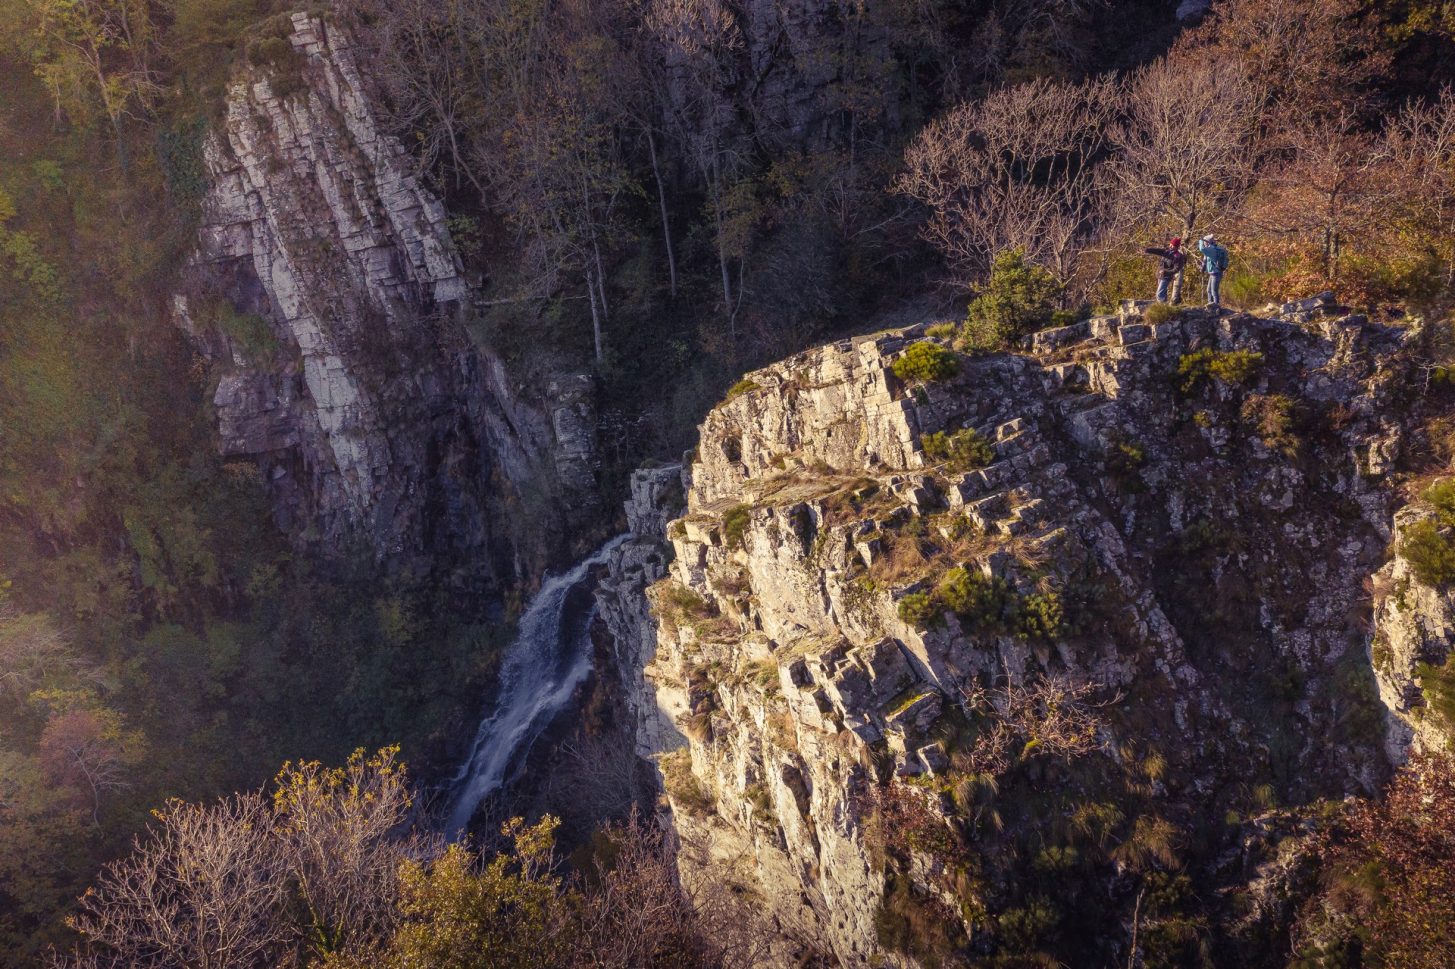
547	660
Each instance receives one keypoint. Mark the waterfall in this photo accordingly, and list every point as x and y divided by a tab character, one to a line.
549	657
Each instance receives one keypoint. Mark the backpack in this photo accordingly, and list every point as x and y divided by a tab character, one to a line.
1217	258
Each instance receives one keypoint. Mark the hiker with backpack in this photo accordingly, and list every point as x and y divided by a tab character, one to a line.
1214	262
1169	268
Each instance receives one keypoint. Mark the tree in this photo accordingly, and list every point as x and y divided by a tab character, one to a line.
1309	59
1388	876
250	880
1334	184
456	915
88	748
342	833
96	54
1017	170
1421	145
699	41
1017	299
1184	150
203	889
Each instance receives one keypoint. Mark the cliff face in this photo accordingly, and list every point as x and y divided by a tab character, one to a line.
907	663
328	297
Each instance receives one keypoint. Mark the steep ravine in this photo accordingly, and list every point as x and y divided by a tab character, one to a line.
1179	519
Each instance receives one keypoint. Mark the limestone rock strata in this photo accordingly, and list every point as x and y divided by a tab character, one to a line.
1414	631
329	297
1180	517
622	606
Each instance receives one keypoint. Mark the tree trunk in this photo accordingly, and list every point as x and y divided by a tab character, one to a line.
600	277
722	259
662	205
595	315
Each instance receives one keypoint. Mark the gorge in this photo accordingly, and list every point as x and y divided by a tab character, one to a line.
1069	629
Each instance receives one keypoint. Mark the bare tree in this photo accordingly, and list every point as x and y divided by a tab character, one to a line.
1052	714
699	40
85	748
341	831
245	882
202	890
1333	184
1421	143
1019	169
1185	147
422	57
633	909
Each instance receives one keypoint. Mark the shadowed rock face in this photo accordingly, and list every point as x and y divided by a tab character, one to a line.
1206	499
329	298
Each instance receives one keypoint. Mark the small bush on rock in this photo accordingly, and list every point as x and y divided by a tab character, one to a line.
1160	313
1233	367
926	361
1041	616
1430	553
962	450
735	525
737	390
1273	418
982	601
1441	494
918	609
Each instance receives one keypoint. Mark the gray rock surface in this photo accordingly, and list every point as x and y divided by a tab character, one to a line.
1220	555
328	297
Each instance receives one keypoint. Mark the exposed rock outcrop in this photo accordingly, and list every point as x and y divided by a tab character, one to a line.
914	633
656	498
329	298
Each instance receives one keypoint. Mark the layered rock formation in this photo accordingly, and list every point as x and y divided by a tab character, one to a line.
329	298
968	662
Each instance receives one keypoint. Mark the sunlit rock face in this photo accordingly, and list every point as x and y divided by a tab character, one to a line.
1204	499
330	300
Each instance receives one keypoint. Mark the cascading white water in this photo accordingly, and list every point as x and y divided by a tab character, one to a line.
540	671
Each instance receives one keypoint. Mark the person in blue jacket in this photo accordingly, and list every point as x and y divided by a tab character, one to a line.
1214	263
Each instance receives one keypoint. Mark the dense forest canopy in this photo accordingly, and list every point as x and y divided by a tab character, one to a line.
667	192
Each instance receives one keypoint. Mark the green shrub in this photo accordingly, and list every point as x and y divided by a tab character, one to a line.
982	601
941	331
1025	929
1041	616
1233	367
1124	457
926	361
963	450
1161	313
735	525
918	609
1019	298
1430	554
744	386
1441	494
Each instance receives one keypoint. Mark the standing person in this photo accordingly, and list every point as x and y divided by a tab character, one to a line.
1214	262
1169	265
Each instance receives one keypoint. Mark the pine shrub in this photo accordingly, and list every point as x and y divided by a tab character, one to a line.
926	361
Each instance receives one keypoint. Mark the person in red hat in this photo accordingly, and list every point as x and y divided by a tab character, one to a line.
1171	260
